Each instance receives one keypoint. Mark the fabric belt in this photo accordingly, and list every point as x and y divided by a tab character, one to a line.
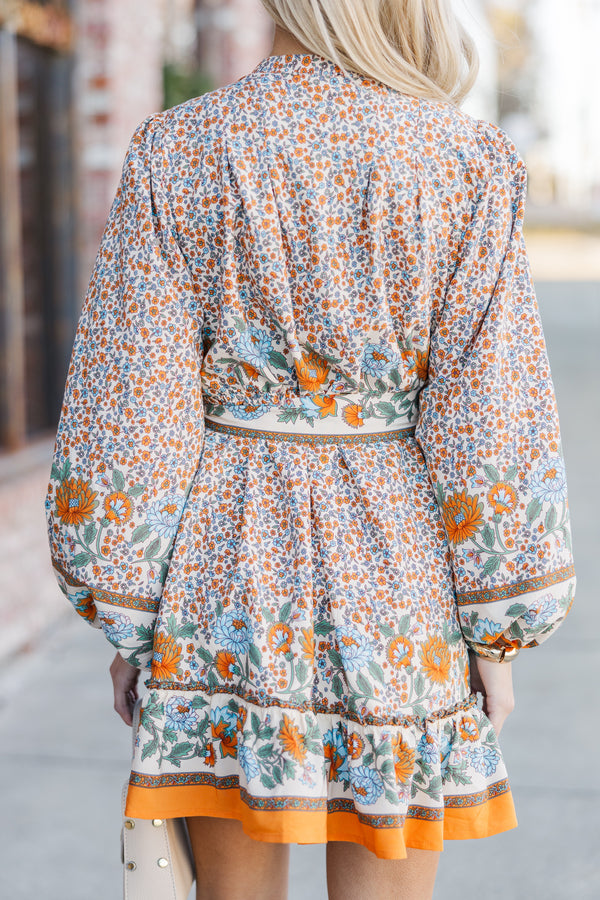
278	423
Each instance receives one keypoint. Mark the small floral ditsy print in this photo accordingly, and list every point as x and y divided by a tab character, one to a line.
310	250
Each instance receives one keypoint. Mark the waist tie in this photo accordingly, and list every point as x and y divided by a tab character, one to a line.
341	418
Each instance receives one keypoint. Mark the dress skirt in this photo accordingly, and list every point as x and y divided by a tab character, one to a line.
309	675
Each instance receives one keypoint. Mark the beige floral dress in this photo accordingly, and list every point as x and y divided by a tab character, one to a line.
309	452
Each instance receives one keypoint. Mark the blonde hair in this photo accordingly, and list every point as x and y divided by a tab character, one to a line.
418	47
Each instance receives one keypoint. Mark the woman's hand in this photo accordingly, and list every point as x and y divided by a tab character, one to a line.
494	681
124	679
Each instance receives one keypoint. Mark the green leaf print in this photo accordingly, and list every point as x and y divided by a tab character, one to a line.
178	752
150	748
267	782
285	611
152	548
376	671
301	670
255	723
118	480
140	534
385	629
187	631
337	687
277	774
391	797
492	473
265	752
336	659
510	473
90	532
136	489
204	655
492	565
323	628
534	508
551	518
82	559
517	609
278	360
387	410
420	684
255	654
199	702
487	536
403	624
363	685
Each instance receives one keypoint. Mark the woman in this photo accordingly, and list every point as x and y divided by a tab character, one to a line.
308	468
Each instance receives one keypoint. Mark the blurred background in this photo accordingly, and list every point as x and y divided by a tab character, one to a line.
76	77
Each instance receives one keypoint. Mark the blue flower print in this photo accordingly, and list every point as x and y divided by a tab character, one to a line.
540	614
248	412
337	755
485	629
180	715
367	784
164	515
233	631
225	715
378	359
254	346
248	762
549	481
428	749
117	628
309	408
445	752
484	759
354	648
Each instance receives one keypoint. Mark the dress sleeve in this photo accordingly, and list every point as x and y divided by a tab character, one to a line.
132	424
488	426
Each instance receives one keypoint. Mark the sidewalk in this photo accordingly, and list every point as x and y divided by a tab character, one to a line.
64	752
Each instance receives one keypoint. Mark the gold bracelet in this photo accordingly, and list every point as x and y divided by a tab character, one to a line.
496	654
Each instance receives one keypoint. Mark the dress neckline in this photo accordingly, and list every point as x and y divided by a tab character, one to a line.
295	62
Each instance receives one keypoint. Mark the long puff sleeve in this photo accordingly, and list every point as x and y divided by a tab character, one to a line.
488	426
132	424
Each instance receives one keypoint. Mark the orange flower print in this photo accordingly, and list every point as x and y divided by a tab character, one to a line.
75	501
307	642
250	371
226	664
291	740
312	371
227	736
502	497
435	657
209	755
404	759
327	405
166	657
400	651
117	507
422	365
468	728
280	638
85	606
353	415
355	746
462	516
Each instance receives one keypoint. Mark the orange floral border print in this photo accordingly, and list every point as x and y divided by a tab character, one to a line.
515	590
125	601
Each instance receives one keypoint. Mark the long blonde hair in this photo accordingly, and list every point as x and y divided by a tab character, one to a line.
418	47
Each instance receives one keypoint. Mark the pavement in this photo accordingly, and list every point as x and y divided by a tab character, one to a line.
64	752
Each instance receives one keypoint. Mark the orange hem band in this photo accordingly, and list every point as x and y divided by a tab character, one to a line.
289	826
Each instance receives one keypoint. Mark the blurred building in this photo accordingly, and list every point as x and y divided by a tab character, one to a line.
76	77
549	72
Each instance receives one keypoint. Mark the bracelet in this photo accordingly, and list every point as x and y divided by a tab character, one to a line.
496	654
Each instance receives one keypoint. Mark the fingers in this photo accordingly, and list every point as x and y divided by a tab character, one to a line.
124	679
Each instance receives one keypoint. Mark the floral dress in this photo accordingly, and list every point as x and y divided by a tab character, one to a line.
309	452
